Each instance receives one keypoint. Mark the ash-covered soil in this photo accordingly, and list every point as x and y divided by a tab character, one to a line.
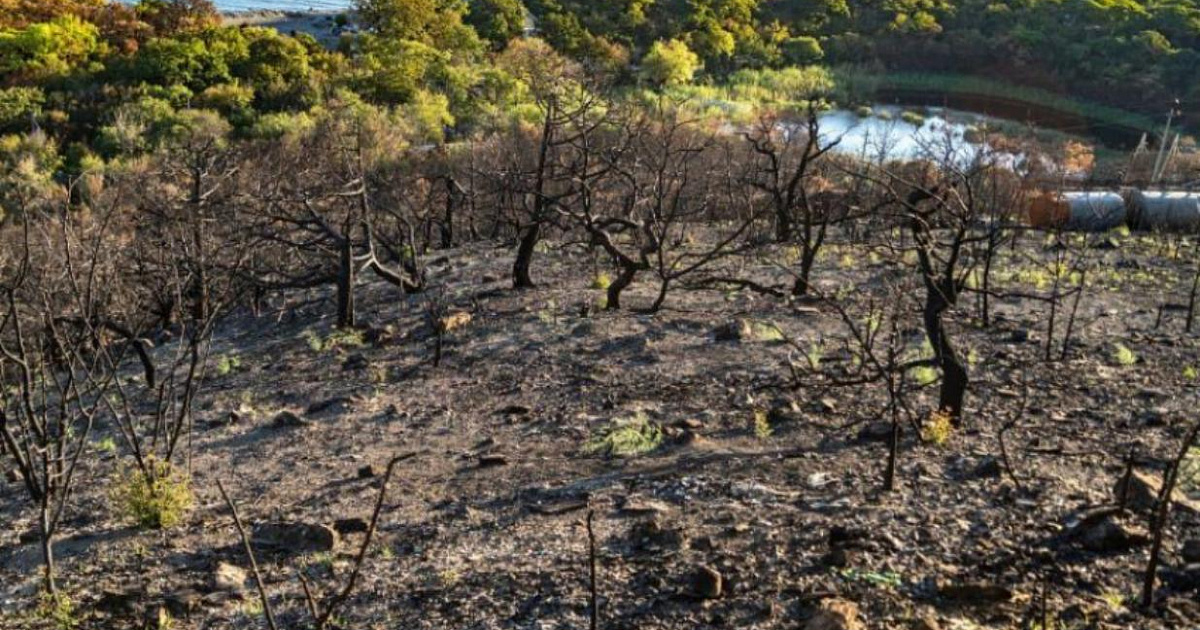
485	526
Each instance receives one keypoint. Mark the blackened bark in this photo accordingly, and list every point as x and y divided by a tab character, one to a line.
345	285
521	276
622	282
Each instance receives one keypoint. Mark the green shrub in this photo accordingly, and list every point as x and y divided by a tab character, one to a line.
626	437
924	375
767	331
602	281
58	610
937	428
1189	473
762	424
1123	356
158	503
227	364
913	118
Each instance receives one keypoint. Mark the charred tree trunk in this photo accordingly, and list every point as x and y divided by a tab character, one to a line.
662	295
620	284
345	285
521	276
47	535
807	260
783	224
953	393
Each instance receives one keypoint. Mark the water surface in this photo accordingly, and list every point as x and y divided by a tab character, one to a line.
888	134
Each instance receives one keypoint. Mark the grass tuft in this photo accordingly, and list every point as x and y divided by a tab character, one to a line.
602	281
626	437
1123	356
158	503
762	424
937	428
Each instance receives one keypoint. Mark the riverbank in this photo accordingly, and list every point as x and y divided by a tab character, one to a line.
1110	125
748	92
326	26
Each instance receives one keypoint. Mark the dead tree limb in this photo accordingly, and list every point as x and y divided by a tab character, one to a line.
1161	511
258	581
593	609
322	619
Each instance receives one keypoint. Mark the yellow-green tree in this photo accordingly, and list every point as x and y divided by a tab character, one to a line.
670	63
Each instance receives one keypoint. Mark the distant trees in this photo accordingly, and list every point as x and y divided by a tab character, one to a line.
670	63
437	23
47	50
498	21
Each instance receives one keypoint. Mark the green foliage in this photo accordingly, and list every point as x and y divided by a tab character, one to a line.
814	355
1189	472
136	127
762	424
497	21
230	99
602	281
345	338
1123	356
107	445
748	92
670	63
392	70
912	118
28	164
937	428
158	500
767	331
186	62
436	23
924	375
626	437
49	49
58	610
886	579
19	106
803	50
227	364
429	114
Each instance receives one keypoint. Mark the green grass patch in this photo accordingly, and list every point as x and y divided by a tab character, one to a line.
158	503
602	281
1124	356
626	437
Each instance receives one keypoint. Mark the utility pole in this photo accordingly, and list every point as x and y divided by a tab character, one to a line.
1159	166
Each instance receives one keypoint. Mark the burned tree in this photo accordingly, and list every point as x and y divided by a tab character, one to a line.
54	377
567	106
656	193
316	209
939	204
787	155
871	351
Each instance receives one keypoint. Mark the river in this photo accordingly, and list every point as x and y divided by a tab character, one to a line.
889	133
